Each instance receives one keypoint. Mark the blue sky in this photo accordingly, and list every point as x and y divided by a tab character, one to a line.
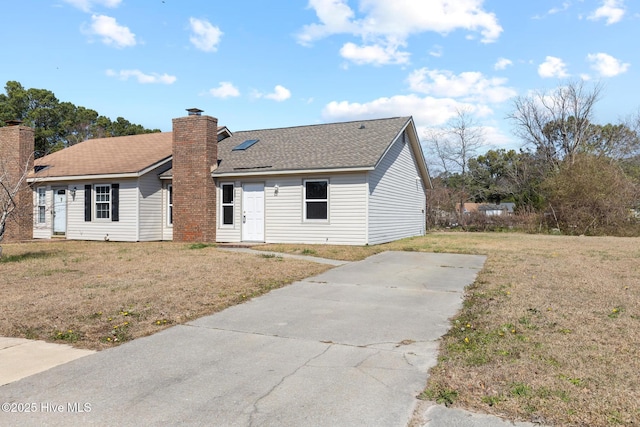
257	64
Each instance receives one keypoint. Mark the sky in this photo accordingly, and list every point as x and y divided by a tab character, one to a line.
257	64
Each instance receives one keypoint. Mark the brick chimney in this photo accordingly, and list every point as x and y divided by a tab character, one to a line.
16	157
195	152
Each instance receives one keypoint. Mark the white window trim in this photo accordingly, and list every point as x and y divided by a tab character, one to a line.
169	205
95	202
232	204
41	205
304	201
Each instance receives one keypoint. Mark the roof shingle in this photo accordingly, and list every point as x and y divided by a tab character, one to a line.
346	145
343	145
117	155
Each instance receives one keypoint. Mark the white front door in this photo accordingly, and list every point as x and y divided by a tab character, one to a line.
59	211
253	212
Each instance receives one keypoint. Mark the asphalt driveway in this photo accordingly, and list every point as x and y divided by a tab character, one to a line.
351	346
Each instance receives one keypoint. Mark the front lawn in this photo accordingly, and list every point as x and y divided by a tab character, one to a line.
98	294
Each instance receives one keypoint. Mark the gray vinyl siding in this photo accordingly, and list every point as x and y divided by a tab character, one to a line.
347	211
397	199
150	207
126	229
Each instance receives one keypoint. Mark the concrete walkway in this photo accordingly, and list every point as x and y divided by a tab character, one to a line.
334	262
21	358
351	346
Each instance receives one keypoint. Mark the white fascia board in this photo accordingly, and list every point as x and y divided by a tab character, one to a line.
84	177
292	172
155	165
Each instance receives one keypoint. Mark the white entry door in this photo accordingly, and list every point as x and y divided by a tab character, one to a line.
253	212
59	211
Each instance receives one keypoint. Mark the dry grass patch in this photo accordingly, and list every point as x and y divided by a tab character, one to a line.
549	332
94	294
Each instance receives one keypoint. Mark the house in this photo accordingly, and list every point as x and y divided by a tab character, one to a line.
491	209
360	182
488	209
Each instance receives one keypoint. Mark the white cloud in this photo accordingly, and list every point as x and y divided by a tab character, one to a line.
427	111
205	36
495	137
607	65
374	54
280	93
142	77
335	17
553	67
470	86
502	64
87	5
436	51
611	10
564	7
386	25
112	33
225	90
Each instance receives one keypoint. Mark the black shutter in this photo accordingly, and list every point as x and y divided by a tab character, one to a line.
87	203
115	202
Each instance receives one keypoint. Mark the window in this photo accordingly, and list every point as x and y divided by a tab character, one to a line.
103	201
42	205
227	204
246	144
316	201
169	205
106	201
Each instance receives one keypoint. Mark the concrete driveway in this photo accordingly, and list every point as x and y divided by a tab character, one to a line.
351	346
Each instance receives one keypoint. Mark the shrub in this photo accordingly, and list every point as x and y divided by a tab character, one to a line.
591	196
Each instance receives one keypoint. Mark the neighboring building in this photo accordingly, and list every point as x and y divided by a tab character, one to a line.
491	209
488	209
361	182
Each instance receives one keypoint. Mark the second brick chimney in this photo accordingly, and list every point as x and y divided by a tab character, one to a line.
195	152
16	160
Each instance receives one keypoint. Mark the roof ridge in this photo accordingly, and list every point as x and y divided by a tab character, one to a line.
326	124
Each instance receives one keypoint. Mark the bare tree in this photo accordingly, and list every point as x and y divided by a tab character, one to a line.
453	147
557	123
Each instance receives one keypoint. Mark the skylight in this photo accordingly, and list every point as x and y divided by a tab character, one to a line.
248	143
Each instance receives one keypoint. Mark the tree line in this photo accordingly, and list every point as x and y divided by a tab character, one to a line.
59	124
572	174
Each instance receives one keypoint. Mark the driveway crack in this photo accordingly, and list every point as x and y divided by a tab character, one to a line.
252	422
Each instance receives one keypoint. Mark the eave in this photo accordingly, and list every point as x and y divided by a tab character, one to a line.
122	175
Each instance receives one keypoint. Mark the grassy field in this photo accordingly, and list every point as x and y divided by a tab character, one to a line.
548	332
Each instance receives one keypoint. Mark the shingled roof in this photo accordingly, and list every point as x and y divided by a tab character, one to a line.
346	145
106	156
